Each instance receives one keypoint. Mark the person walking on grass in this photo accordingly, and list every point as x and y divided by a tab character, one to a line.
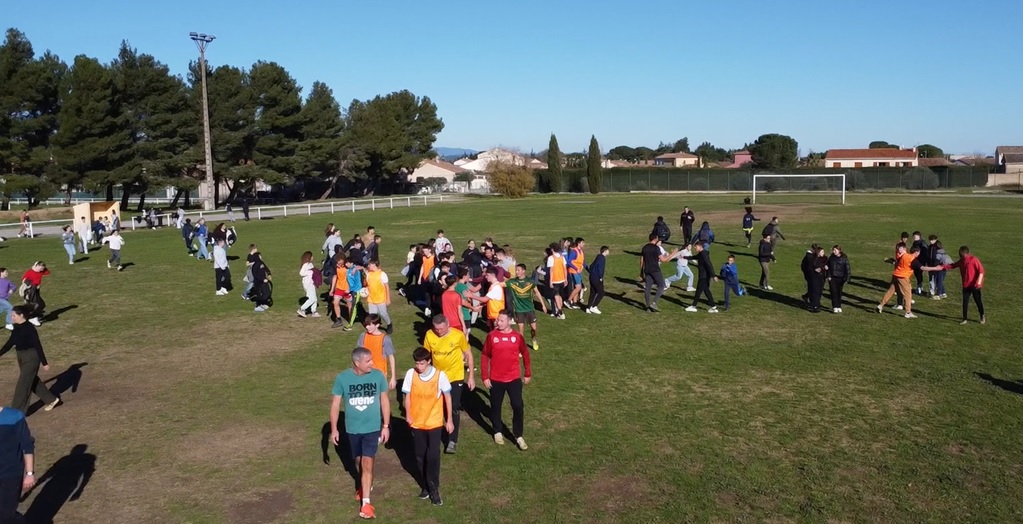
685	222
429	409
363	390
17	463
221	269
7	289
682	269
523	291
116	242
818	274
972	272
379	297
839	273
67	237
502	373
747	225
201	232
24	221
765	255
380	346
305	271
650	260
262	285
83	234
806	268
188	235
730	275
900	279
31	283
705	270
596	269
937	257
773	230
450	353
24	340
576	262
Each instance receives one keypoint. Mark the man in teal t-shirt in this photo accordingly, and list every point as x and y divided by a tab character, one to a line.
367	418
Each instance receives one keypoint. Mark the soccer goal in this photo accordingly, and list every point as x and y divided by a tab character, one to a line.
826	184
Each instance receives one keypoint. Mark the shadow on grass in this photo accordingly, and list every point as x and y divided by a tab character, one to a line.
869	283
477	409
741	254
126	265
55	314
784	300
1008	385
81	259
63	482
342	449
69	379
620	297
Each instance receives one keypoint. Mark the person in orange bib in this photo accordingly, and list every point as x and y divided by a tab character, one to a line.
379	297
380	346
428	410
900	279
494	298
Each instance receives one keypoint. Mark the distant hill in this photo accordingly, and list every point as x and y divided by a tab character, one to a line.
453	153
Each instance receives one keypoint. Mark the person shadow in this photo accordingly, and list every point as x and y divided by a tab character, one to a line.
476	404
69	379
55	314
342	449
63	482
1007	385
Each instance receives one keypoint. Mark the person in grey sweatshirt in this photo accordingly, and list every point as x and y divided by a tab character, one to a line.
222	272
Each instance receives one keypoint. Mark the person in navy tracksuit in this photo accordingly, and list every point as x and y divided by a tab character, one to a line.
747	224
596	269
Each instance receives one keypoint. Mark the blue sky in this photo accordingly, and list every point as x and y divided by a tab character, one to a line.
830	74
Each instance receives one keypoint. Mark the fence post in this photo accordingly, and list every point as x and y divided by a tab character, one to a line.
331	208
409	201
373	204
308	209
285	211
31	232
133	224
259	213
391	200
353	206
424	201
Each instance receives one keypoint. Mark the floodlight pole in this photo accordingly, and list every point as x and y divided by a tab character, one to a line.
201	41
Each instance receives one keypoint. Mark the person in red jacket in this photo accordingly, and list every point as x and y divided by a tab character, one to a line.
502	374
973	279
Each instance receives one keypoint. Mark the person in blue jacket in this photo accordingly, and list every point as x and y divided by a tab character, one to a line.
704	237
747	224
596	269
730	275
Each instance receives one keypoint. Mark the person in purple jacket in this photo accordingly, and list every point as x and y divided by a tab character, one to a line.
6	290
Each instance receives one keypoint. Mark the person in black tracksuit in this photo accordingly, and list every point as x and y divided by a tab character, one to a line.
686	223
839	273
596	269
818	272
806	266
765	255
187	231
918	275
706	273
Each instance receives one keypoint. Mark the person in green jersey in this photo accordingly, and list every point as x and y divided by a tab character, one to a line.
523	290
469	294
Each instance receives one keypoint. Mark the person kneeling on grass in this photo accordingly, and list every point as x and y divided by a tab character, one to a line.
363	389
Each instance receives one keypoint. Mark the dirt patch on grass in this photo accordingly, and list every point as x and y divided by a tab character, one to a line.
616	492
232	446
261	507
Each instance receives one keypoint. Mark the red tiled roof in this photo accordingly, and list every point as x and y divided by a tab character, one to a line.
870	153
667	156
934	162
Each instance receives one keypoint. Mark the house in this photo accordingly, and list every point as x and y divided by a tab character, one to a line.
462	161
740	159
1009	159
859	158
607	163
536	164
431	168
677	160
486	157
934	162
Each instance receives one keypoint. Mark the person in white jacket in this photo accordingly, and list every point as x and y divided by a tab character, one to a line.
84	230
682	269
306	272
115	241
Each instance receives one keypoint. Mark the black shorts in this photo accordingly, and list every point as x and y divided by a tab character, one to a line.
558	287
528	317
364	444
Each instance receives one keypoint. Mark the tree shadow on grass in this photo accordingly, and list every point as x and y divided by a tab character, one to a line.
63	482
1012	386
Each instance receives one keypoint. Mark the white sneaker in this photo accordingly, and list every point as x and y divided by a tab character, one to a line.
9	327
223	290
839	310
910	315
71	262
880	309
220	293
34	321
587	310
108	264
426	311
836	310
690	289
315	315
899	308
713	310
301	313
498	439
522	443
595	310
769	288
691	309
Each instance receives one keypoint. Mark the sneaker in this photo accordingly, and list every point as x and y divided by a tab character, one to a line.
769	288
224	290
259	309
935	297
561	316
191	255
347	328
34	321
314	315
713	310
691	289
301	313
587	310
536	345
595	310
522	443
435	499
51	405
880	308
899	308
983	320
366	512
839	310
910	315
108	264
653	309
692	309
401	291
120	268
835	310
337	323
9	327
423	494
964	322
498	439
71	262
427	311
667	285
452	448
220	292
944	296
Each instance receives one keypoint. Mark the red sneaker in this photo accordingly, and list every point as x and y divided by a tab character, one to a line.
367	512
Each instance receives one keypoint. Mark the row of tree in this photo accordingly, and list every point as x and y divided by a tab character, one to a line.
132	125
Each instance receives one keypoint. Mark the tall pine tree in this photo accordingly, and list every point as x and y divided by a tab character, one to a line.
91	141
318	153
278	123
556	177
594	169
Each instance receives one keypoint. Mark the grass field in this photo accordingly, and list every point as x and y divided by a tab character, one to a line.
196	409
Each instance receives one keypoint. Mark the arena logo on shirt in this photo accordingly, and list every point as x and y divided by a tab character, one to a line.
362	396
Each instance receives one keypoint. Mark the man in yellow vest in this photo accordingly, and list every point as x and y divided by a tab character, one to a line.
427	400
379	293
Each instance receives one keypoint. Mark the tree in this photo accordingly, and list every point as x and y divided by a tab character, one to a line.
594	169
645	153
278	124
774	151
555	174
929	151
881	144
156	111
510	180
317	154
91	140
709	153
681	145
232	116
622	153
387	137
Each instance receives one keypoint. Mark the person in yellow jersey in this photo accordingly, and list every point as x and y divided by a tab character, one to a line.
380	346
427	400
494	298
379	297
450	351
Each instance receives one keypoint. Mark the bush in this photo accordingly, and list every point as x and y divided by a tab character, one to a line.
510	180
856	180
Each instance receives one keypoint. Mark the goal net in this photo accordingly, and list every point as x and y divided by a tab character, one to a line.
830	187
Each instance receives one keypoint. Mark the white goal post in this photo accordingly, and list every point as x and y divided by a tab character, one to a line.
841	178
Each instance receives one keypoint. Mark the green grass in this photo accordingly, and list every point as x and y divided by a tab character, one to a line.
196	408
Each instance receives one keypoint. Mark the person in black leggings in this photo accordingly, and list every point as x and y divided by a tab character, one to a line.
706	272
25	341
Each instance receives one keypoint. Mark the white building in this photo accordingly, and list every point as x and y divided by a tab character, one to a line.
430	168
860	158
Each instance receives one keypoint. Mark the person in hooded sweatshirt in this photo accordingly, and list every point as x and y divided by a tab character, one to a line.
747	225
806	266
706	273
704	237
839	273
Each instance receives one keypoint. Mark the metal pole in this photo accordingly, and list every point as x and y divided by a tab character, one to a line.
201	41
